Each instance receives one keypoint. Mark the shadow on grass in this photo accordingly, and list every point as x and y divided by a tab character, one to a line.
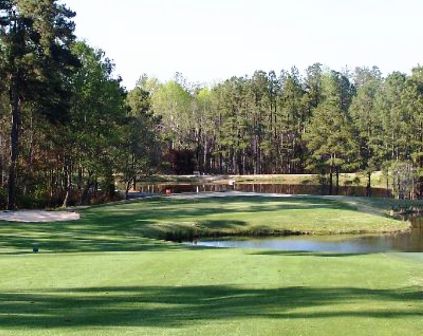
165	306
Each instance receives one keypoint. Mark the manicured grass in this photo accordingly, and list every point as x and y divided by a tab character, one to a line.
108	275
135	226
210	292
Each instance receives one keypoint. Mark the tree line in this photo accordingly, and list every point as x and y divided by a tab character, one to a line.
69	130
325	122
67	124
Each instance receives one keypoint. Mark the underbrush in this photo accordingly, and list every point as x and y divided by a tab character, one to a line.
43	200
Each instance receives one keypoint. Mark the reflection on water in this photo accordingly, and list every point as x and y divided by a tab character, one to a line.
408	242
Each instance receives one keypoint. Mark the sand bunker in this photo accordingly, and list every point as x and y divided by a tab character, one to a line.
38	216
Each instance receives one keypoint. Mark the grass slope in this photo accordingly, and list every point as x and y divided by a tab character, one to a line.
108	276
135	226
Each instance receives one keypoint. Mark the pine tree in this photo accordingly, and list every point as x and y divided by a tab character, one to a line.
329	136
35	39
365	121
412	100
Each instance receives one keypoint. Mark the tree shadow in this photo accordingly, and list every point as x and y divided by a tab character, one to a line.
172	306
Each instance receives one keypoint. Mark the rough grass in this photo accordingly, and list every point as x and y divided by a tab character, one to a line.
106	275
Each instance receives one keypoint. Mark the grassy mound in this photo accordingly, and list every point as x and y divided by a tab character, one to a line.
137	225
168	218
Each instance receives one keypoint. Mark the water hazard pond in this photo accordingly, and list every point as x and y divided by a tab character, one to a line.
406	242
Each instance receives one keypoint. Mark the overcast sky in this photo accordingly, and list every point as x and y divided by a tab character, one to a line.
210	40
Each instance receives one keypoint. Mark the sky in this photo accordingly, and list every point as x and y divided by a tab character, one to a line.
211	40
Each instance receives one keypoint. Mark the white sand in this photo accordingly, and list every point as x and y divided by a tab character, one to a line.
38	216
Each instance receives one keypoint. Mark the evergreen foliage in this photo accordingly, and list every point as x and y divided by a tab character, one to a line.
69	131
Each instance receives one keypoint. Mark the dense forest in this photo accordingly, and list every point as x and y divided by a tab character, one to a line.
325	122
69	130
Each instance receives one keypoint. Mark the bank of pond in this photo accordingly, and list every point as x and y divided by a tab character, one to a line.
309	223
274	188
298	223
112	272
408	241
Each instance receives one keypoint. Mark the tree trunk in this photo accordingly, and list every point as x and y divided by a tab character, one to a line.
85	192
420	179
369	184
331	176
240	167
206	165
134	183
80	174
68	179
337	180
220	162
1	163
51	191
31	145
110	186
128	186
15	101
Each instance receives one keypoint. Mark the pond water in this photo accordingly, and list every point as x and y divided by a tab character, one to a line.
406	242
274	188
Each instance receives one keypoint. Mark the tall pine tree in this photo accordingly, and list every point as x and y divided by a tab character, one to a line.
36	37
